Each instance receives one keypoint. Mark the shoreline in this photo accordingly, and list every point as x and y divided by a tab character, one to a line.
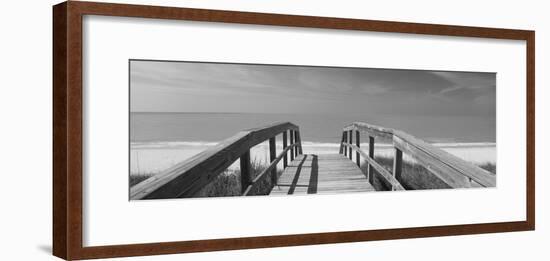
154	157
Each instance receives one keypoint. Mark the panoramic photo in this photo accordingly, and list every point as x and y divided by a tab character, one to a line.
201	129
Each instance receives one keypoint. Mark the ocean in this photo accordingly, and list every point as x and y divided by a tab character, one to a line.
160	140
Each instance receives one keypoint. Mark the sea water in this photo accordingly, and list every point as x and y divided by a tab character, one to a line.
161	140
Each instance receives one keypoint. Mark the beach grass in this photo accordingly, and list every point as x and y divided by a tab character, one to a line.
225	184
414	176
488	166
228	183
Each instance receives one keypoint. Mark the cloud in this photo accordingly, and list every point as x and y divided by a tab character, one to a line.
275	88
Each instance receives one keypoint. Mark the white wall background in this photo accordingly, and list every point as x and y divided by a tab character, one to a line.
25	132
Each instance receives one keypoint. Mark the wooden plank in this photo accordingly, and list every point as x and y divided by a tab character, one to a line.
446	173
447	167
285	161
358	144
450	169
370	172
291	142
260	135
345	141
263	174
372	130
297	137
188	177
381	170
246	177
397	164
172	183
342	141
272	157
60	135
459	165
321	174
295	150
350	142
299	141
475	184
297	174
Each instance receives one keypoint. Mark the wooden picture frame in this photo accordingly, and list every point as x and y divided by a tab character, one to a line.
68	145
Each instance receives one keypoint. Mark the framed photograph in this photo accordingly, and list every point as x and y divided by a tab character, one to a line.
186	130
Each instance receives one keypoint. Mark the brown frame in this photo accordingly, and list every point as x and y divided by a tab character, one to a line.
67	129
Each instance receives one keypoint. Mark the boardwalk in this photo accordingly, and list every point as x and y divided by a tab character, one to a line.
309	173
318	174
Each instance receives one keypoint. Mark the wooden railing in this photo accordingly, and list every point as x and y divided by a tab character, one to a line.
453	171
190	176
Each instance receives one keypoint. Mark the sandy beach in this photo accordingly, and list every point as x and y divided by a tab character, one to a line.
153	157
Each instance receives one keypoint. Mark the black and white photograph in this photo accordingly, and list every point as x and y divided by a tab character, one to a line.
275	130
205	129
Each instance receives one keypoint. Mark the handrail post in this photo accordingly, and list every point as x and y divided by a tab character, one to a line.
342	143
217	160
358	144
370	172
285	160
246	177
291	144
296	141
346	141
299	139
272	157
350	142
397	165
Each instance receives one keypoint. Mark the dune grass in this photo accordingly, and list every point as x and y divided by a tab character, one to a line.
227	184
414	176
491	167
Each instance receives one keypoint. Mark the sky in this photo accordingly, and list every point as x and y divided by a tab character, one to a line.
423	97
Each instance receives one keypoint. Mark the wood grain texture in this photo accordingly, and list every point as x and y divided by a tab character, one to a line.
67	76
350	135
59	182
345	133
321	174
273	165
272	157
161	12
397	164
385	174
74	131
370	171
358	144
455	172
246	175
446	173
342	141
285	144
189	176
292	141
370	129
530	133
441	163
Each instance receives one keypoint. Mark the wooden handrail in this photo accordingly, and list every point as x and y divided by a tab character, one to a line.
248	190
454	171
388	176
185	179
